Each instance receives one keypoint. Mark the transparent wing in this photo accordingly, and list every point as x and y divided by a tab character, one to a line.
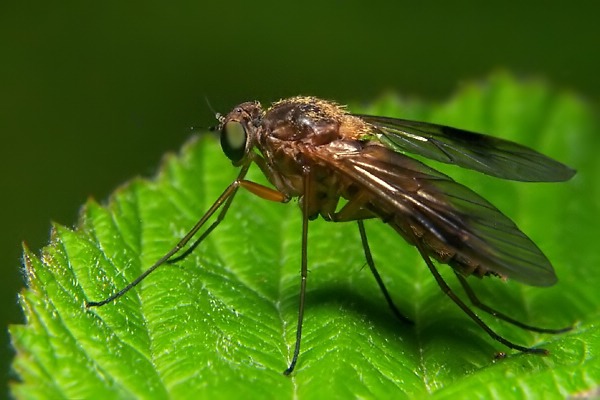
492	156
466	227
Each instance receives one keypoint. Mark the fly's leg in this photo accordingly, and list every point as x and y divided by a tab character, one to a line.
224	201
371	263
446	289
355	209
477	303
308	186
254	188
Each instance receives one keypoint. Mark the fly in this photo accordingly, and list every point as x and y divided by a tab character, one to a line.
346	167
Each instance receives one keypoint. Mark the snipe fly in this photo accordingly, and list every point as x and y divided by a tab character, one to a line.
346	167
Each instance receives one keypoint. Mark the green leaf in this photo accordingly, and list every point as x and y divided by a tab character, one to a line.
221	322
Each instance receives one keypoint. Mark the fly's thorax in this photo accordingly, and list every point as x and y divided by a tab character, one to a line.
303	120
290	130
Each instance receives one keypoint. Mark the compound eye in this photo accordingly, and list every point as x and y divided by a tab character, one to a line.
233	140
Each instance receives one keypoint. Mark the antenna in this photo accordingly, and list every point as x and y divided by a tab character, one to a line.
212	128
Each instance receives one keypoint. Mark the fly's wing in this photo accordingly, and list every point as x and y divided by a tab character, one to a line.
443	209
492	156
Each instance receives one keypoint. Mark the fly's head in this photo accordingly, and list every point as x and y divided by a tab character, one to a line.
238	130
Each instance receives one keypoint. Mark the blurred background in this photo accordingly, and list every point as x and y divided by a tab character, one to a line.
94	93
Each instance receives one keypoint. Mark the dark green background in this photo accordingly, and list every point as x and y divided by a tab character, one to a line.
94	93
